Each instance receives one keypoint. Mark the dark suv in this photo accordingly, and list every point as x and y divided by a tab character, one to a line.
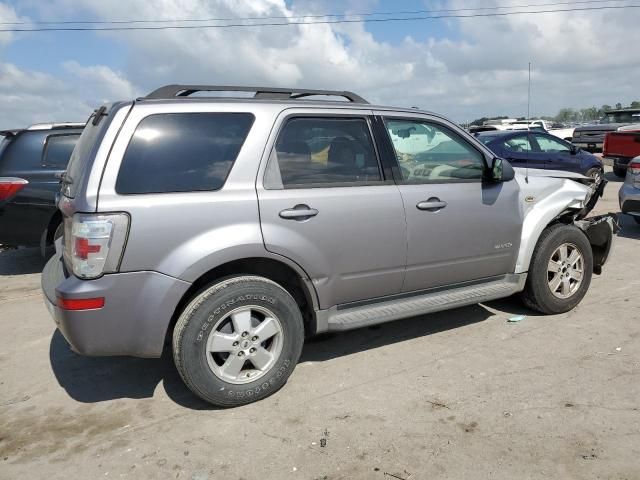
32	161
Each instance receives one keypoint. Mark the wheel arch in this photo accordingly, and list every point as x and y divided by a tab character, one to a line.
292	278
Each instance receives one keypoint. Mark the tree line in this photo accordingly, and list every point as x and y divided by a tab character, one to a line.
566	115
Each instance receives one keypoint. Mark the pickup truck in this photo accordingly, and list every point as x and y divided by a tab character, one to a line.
621	146
591	137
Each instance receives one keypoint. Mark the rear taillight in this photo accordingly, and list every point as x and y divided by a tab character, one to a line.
634	167
9	186
94	243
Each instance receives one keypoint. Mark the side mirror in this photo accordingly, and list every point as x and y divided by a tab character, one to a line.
573	149
501	171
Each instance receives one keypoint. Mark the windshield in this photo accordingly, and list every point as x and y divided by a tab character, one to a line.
620	117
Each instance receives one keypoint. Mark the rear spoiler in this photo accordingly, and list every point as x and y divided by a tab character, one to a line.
11	133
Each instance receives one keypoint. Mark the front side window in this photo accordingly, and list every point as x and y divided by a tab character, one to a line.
57	150
182	152
550	145
323	151
428	152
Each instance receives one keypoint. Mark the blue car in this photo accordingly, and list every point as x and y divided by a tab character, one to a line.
538	149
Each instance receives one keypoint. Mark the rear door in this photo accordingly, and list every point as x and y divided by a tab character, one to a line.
459	228
326	203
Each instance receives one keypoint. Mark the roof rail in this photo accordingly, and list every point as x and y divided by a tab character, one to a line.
172	91
52	126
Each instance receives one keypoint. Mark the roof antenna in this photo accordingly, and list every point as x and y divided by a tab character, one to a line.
526	177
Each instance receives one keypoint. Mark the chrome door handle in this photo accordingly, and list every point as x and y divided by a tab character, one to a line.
433	204
299	212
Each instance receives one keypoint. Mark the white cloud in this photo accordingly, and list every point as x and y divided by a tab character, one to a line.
8	15
579	58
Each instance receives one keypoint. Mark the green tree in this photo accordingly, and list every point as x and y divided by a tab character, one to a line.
635	104
618	105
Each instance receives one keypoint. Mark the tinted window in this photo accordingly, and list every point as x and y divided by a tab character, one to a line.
324	151
428	152
551	145
182	152
57	150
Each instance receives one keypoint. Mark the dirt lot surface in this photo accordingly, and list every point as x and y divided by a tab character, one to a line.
460	394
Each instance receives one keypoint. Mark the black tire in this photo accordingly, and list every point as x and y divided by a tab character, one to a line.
620	172
212	305
537	294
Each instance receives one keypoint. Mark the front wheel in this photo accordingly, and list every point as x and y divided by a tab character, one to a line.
238	340
560	270
596	174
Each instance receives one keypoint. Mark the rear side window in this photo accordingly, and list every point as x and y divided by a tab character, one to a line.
57	150
182	152
325	151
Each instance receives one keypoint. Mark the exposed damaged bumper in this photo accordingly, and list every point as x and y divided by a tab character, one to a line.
600	230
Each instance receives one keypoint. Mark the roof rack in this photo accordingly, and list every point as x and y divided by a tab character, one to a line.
52	126
173	91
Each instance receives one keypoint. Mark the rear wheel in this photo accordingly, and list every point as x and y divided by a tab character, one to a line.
619	172
560	270
238	340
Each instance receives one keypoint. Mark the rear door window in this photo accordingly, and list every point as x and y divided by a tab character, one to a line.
57	150
182	152
323	151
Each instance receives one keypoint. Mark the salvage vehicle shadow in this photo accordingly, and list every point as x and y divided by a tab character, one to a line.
328	346
100	379
21	261
612	177
629	228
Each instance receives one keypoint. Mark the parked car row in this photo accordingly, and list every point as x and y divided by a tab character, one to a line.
538	149
556	129
31	163
231	228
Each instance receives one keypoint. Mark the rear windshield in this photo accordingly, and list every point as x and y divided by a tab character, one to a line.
182	152
57	150
80	156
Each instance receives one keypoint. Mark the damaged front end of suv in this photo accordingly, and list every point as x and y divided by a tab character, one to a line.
551	196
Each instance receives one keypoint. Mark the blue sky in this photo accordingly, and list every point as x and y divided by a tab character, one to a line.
465	68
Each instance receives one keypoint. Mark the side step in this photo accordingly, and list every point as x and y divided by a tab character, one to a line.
400	306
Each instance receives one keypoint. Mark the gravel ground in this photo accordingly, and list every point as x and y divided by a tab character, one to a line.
459	394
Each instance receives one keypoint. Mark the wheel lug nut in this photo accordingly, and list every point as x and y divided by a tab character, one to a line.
244	334
252	350
241	353
254	339
235	344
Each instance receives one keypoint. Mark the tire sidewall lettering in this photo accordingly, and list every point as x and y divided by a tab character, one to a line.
230	305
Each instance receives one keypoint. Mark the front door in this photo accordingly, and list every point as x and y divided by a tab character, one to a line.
325	204
459	228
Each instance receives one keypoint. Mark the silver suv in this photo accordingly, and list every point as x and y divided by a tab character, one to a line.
233	228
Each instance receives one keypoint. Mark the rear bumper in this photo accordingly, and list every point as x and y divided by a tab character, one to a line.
134	320
629	197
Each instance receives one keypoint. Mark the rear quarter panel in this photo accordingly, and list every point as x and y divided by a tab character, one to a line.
187	234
